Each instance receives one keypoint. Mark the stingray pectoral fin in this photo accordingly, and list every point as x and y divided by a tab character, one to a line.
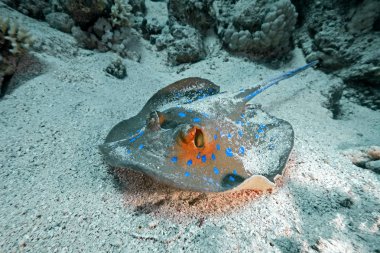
115	154
191	88
256	182
125	129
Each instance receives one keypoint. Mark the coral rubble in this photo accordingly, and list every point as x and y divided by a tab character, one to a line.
117	69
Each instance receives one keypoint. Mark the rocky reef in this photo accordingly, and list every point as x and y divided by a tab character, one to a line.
344	36
261	28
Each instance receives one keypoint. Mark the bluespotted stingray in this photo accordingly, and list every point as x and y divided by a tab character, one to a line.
191	136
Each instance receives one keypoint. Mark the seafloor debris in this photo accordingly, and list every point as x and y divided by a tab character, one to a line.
14	42
365	157
117	69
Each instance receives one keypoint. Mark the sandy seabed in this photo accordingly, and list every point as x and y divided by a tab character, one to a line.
58	195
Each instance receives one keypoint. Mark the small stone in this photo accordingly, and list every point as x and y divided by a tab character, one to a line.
374	166
374	153
117	69
347	202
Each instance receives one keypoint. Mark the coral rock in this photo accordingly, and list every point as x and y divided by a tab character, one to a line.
60	21
85	13
184	44
117	69
192	12
261	28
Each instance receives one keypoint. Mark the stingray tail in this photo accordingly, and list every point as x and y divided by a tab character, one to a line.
251	93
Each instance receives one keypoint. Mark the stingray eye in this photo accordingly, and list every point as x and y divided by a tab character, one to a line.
199	138
192	135
155	120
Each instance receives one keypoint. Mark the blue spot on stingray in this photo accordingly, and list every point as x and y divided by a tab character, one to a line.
216	171
260	130
238	122
141	146
132	140
213	157
174	159
196	120
241	150
182	114
231	178
187	174
240	133
217	147
217	129
190	162
242	115
257	136
140	133
262	126
229	152
199	155
204	159
229	136
235	172
215	136
129	151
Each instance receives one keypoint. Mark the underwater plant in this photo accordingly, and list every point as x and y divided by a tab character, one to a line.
14	42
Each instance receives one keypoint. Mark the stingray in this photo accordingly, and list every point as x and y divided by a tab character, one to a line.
191	136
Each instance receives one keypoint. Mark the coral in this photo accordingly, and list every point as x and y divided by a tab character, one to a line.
120	13
184	44
261	28
85	13
111	30
14	42
343	37
60	21
104	38
32	8
192	12
117	69
138	6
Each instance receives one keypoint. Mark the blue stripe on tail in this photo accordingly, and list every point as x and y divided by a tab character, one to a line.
277	79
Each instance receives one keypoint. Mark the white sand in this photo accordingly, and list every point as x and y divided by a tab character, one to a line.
57	195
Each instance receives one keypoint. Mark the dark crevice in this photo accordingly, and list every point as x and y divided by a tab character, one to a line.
333	102
4	86
376	24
